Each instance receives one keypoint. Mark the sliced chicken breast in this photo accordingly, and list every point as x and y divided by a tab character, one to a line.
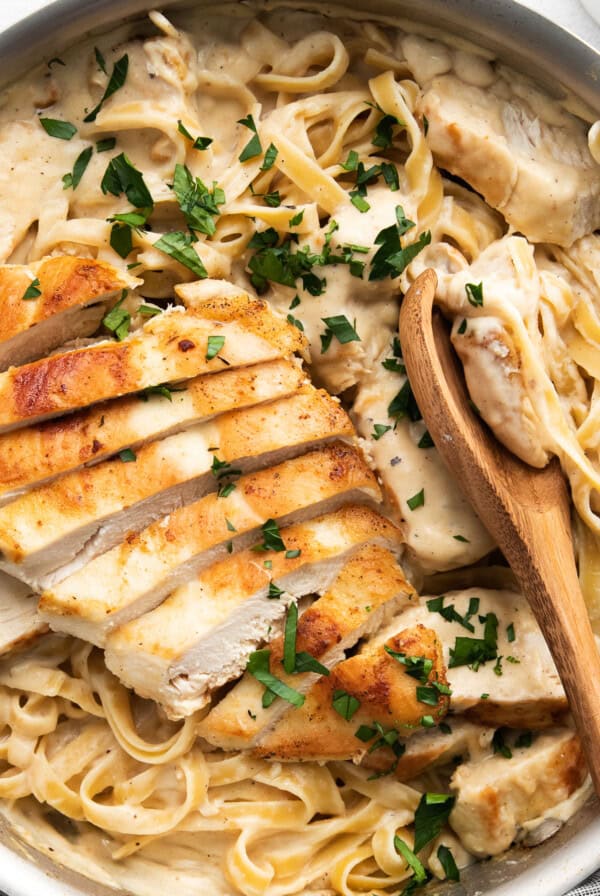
363	595
202	635
85	513
136	576
172	346
502	144
386	702
50	302
443	532
457	741
40	453
518	685
497	795
20	623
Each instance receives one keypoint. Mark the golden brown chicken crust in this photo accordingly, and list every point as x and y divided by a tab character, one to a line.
64	282
172	346
45	450
387	695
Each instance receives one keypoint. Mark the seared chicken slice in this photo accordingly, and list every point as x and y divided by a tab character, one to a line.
519	685
19	620
385	703
136	576
171	346
502	144
405	469
366	592
458	741
42	452
202	635
89	511
45	304
497	795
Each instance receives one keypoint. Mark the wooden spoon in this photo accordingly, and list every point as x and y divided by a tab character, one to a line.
526	510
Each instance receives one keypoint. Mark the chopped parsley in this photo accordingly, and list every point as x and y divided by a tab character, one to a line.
272	540
432	814
417	500
214	346
510	632
163	389
116	81
291	555
118	319
388	241
253	148
379	430
386	737
198	204
340	327
289	639
54	127
121	239
419	667
295	322
475	651
199	143
419	873
100	60
127	456
524	740
345	704
33	291
106	145
274	592
270	156
258	667
462	327
427	695
297	218
447	862
81	162
474	293
461	538
450	613
404	404
384	132
179	246
121	176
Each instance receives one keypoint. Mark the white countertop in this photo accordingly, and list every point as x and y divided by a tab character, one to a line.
571	14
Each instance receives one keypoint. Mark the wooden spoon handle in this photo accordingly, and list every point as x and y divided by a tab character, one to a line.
525	509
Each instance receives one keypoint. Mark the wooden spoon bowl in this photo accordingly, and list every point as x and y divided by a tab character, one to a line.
526	510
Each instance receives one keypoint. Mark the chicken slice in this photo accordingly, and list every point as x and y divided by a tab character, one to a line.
519	687
498	142
171	346
136	576
40	453
405	469
69	297
202	635
496	796
386	693
89	511
20	623
364	594
459	740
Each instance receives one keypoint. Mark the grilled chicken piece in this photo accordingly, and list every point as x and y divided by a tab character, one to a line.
496	796
405	469
19	620
461	740
387	696
520	690
171	346
501	142
89	511
364	594
202	635
69	299
39	454
134	577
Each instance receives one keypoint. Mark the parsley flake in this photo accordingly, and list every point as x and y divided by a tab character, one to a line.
116	81
199	143
474	293
81	162
253	148
417	500
179	246
272	540
33	291
127	456
345	704
62	130
214	346
258	667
